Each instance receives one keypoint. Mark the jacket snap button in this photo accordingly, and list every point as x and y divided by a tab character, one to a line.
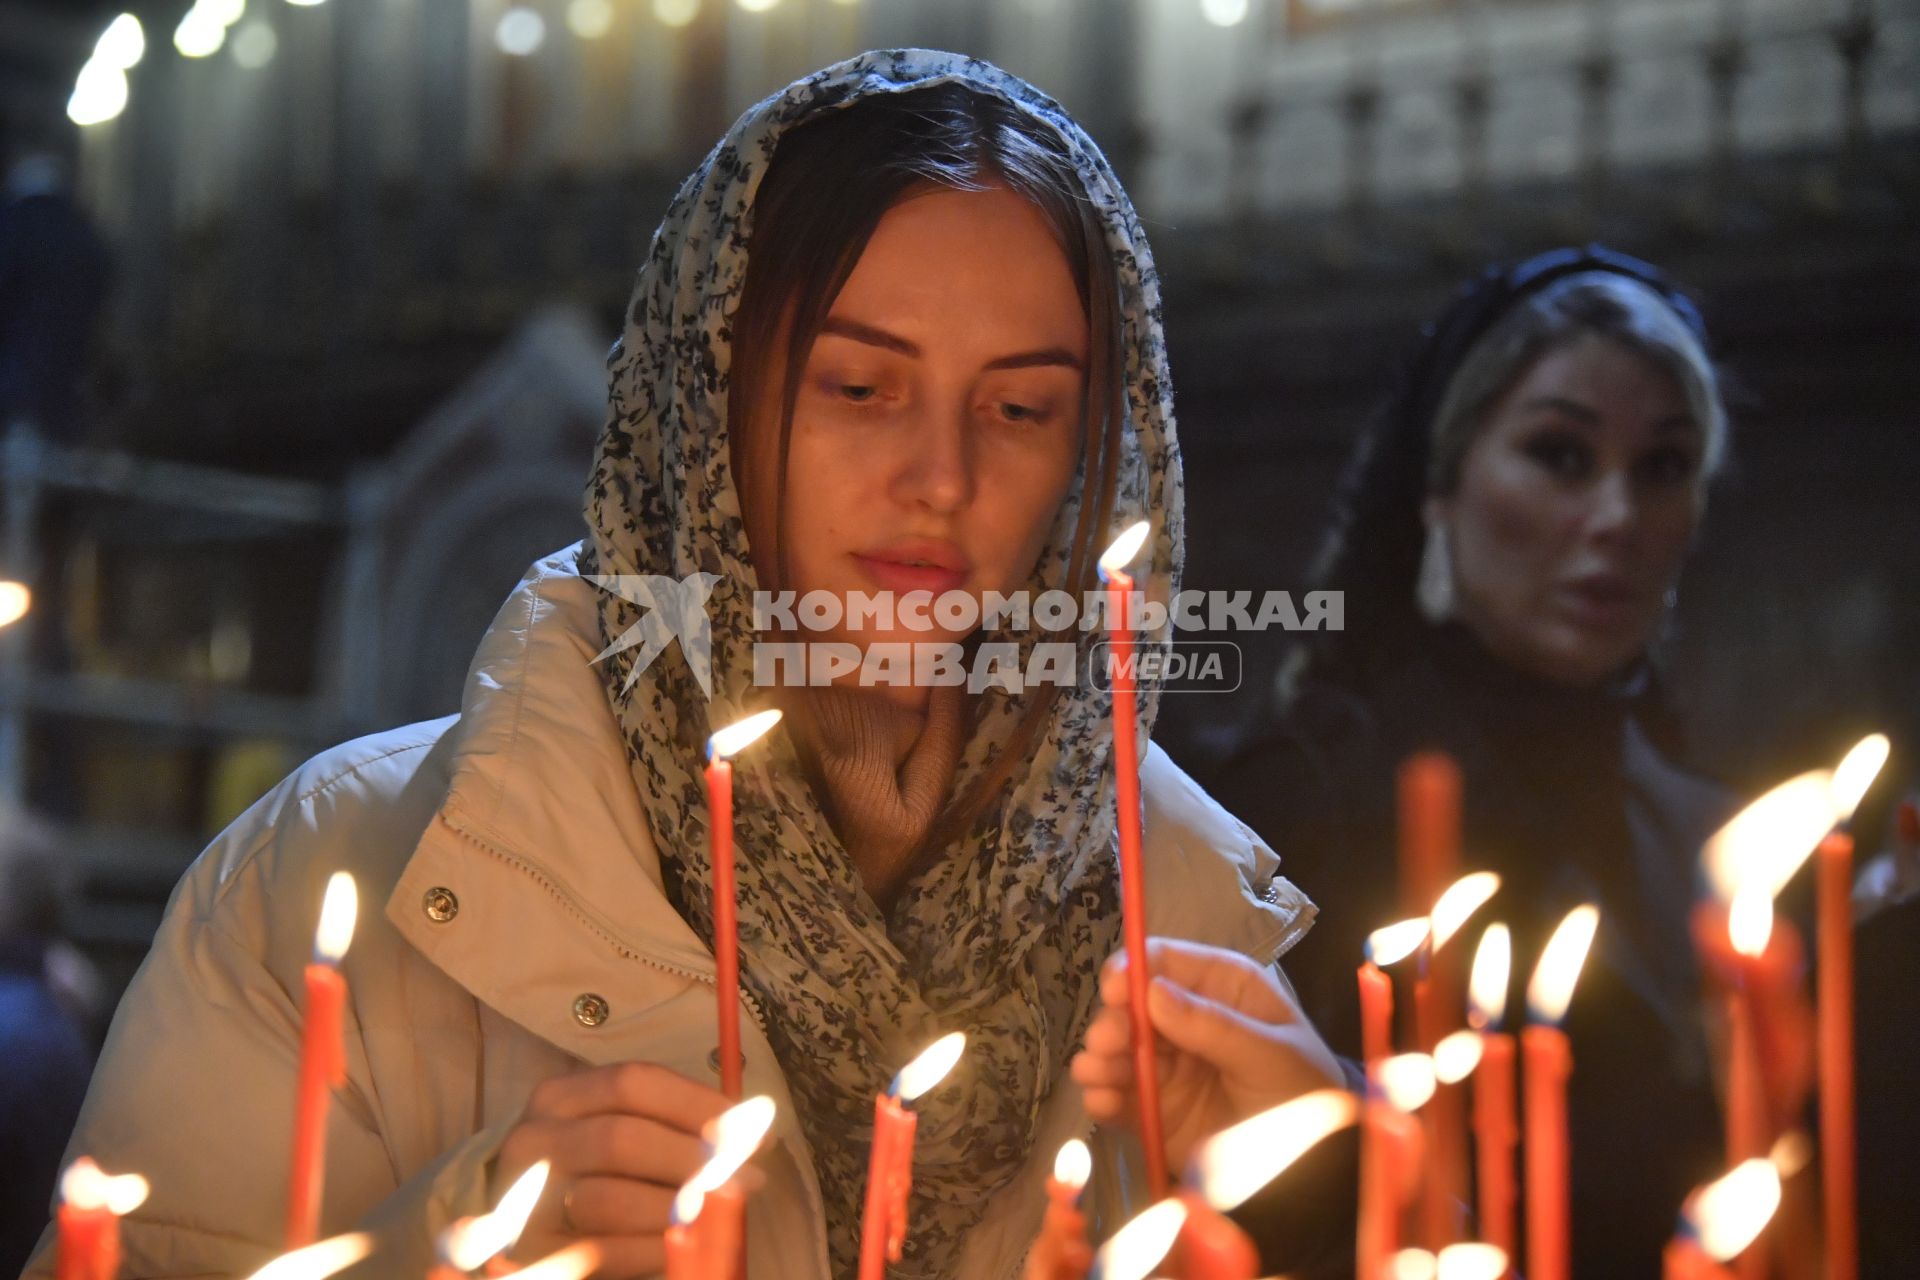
441	905
713	1062
590	1010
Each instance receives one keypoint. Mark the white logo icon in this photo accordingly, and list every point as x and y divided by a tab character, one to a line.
669	609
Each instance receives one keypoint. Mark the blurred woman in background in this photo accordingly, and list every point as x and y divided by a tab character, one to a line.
1510	541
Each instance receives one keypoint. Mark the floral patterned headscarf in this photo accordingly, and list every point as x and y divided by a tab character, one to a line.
1002	937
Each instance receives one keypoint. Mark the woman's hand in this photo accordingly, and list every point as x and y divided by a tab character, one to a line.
1231	1043
622	1139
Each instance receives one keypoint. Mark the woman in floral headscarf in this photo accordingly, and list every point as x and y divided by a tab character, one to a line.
899	333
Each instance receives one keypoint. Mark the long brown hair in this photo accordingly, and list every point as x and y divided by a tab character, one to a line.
825	191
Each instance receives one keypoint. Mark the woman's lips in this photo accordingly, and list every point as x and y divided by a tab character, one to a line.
900	576
1606	603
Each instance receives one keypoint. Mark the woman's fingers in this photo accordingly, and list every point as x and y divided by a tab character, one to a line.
597	1205
629	1088
1218	974
628	1147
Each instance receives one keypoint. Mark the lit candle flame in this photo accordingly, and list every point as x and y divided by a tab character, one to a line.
1455	1057
1395	942
1729	1213
1456	906
734	1136
1750	921
930	1068
337	913
688	1202
1791	1153
1137	1248
1115	559
1765	843
84	1186
1554	978
1241	1159
15	600
318	1261
1074	1165
725	744
1413	1264
1857	772
1472	1262
1492	971
470	1242
570	1263
1407	1080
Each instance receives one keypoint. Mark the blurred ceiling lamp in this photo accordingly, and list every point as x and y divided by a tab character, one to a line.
757	6
99	94
521	32
254	45
200	34
122	44
15	600
1224	13
676	13
590	19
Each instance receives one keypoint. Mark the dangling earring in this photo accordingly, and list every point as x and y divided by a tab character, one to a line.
1433	591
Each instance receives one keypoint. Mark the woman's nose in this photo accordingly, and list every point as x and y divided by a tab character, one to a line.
1615	507
938	470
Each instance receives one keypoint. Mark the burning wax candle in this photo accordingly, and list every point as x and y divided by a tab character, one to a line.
91	1206
1140	1246
471	1243
1429	785
1062	1252
883	1225
317	1261
705	1237
1234	1164
1834	938
1496	1123
1549	1061
722	747
1720	1220
1435	995
1133	881
1392	1149
1384	947
323	1059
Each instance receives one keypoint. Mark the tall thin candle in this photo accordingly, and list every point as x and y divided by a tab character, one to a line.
1549	1062
1234	1164
1062	1252
323	1059
1133	881
722	746
883	1224
1392	1149
1496	1122
1384	947
91	1205
1436	996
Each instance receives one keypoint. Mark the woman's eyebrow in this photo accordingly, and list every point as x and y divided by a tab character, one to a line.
1560	404
854	330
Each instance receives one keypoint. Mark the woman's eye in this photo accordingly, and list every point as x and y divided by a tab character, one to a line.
1565	457
1667	467
858	393
1013	412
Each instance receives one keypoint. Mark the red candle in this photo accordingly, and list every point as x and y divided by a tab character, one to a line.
472	1243
1429	829
1721	1221
1376	1013
1136	1249
1834	872
1549	1061
91	1206
1435	1001
1133	883
883	1223
1392	1150
1496	1124
1062	1252
1685	1260
323	1060
1211	1247
722	746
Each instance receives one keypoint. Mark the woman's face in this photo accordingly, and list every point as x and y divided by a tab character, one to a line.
1575	506
938	424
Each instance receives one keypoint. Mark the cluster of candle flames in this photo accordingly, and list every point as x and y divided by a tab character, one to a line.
1746	865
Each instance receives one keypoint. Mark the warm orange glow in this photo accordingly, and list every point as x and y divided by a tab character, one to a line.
1857	772
15	600
1729	1213
337	914
729	742
734	1135
1074	1165
1124	550
1455	1057
1137	1248
1765	843
470	1242
1241	1159
1472	1262
1407	1080
571	1263
1558	972
1492	971
84	1186
1395	942
1750	921
1413	1264
931	1067
318	1261
1456	906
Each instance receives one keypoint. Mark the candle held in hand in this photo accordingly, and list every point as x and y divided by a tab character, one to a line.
722	746
883	1224
323	1059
